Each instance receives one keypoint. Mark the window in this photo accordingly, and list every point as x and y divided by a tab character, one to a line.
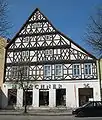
76	69
88	69
18	72
57	51
47	70
24	71
26	39
36	25
48	52
58	70
47	37
14	72
25	55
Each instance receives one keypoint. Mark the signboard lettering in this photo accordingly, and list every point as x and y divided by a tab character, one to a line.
48	86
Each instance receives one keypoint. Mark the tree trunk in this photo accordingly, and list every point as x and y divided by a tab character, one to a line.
25	102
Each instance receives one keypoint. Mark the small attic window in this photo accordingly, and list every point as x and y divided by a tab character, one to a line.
48	52
26	39
25	53
47	37
37	25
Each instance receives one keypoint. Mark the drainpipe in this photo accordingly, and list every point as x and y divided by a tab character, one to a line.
99	60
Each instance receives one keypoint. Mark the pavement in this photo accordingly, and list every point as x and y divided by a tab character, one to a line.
38	112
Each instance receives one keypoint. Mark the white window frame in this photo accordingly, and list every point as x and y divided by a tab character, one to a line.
48	71
88	68
76	68
59	70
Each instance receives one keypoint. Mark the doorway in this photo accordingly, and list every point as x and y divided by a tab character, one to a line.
12	96
84	95
43	97
60	97
28	97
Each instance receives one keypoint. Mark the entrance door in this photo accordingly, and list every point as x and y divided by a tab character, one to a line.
84	95
60	97
43	97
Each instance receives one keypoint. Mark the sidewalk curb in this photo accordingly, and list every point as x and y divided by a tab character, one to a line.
37	114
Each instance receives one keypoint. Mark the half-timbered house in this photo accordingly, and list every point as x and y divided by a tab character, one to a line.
59	71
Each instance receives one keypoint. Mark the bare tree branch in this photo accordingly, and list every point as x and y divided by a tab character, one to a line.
94	33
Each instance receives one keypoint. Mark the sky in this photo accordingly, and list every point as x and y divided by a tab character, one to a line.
68	16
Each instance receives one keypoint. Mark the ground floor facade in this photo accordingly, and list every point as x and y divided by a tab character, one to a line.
51	94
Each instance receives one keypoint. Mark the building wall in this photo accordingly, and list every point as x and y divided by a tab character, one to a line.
2	60
72	93
99	70
30	51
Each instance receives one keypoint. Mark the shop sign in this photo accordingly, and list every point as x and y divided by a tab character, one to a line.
52	86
